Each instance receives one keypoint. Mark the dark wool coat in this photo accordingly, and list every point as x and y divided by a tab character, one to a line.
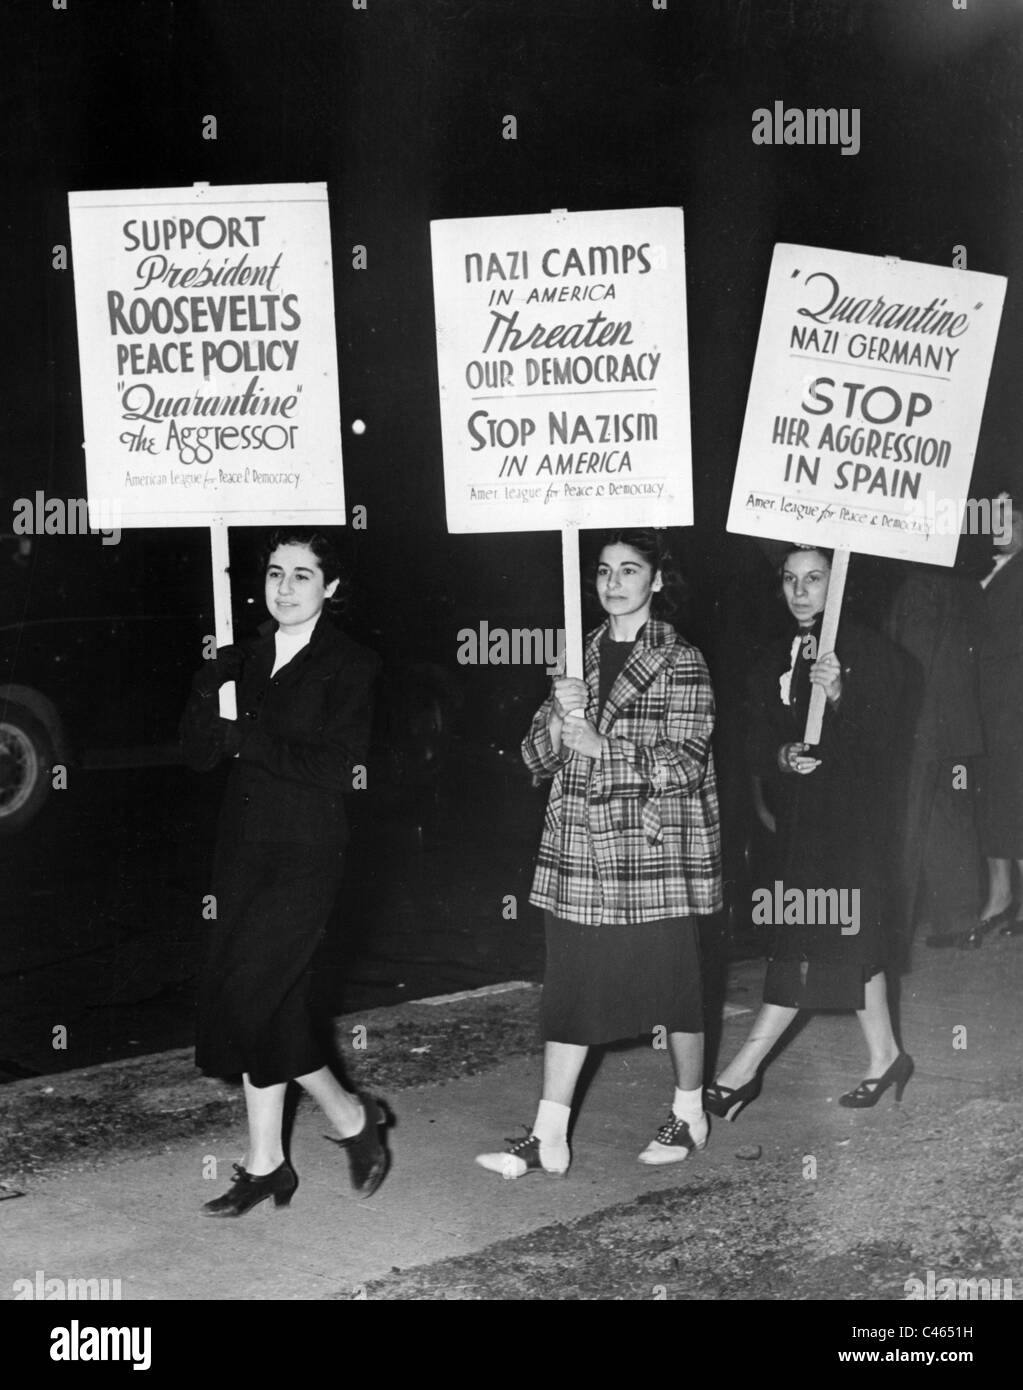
1001	660
938	620
1001	707
298	734
833	824
633	835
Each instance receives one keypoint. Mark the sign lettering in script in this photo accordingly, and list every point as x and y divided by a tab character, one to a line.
865	404
208	354
564	376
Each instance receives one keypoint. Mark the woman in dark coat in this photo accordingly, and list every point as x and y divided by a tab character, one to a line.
936	621
304	703
830	803
1001	705
630	857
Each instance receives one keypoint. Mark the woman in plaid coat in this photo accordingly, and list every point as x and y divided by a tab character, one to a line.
630	855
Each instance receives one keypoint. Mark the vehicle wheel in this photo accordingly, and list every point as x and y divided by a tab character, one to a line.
26	757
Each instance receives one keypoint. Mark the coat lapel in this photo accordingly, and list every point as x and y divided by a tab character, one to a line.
647	660
591	672
293	669
261	656
1007	585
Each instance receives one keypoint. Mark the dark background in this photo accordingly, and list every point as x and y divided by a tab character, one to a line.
399	108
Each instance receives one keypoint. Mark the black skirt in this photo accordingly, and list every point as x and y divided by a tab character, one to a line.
273	903
816	984
606	983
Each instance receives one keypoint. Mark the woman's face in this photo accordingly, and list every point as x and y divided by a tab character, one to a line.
804	582
625	581
295	591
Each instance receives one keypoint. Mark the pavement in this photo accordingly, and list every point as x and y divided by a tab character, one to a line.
103	1170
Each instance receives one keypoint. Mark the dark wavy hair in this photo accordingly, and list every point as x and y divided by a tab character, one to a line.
795	546
324	546
651	544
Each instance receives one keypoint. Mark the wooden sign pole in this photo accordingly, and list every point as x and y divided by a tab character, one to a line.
573	604
223	623
829	631
570	575
220	556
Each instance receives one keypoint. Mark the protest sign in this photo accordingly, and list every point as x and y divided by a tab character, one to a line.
865	404
864	410
208	361
208	354
564	378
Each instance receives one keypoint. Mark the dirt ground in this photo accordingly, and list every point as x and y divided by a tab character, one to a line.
941	1192
927	1188
73	1120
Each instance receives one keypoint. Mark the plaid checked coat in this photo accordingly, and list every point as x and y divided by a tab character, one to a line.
633	835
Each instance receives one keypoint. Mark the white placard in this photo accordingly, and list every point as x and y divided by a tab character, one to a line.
208	354
865	403
564	375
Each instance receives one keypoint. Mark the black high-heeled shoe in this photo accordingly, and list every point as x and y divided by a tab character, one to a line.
249	1189
726	1102
975	936
367	1157
869	1092
972	937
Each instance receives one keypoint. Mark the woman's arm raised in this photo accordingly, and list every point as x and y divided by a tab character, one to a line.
542	749
204	737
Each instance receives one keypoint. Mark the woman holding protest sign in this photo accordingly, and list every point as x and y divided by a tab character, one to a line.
629	858
304	700
829	802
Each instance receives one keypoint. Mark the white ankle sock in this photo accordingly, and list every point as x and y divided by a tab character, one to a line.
688	1106
551	1123
551	1128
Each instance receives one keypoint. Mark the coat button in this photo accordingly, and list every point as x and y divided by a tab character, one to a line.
250	714
246	799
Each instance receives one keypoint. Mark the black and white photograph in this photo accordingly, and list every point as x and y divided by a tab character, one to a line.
511	669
